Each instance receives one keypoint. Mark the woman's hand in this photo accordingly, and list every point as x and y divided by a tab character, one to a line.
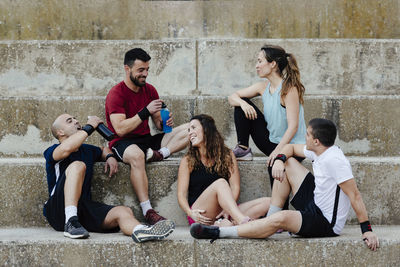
248	110
197	217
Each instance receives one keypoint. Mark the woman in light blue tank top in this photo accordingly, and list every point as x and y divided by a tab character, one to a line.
282	95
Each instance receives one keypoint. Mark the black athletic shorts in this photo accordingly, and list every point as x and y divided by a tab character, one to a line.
144	142
91	214
314	223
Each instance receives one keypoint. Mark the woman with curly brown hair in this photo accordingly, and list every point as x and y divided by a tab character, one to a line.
209	181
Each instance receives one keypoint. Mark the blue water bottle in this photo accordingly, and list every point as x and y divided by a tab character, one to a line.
165	116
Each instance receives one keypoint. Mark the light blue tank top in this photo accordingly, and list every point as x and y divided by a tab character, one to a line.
275	116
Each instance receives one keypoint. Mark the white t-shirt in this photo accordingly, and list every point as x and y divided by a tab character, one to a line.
330	169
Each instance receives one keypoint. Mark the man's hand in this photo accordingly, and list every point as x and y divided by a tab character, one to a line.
154	106
197	217
371	240
272	157
278	170
170	121
94	121
111	163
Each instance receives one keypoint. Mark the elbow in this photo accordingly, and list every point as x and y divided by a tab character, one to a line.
119	132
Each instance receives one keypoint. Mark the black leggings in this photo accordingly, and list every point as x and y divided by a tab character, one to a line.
258	131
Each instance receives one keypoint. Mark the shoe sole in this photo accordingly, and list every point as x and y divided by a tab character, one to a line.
83	236
158	231
245	158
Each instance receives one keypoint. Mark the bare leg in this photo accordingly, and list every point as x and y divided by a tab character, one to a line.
288	220
217	197
75	175
135	157
177	139
123	217
255	208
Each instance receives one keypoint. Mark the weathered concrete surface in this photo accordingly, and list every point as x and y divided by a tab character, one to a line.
135	19
23	188
368	125
25	122
196	67
26	247
88	68
328	67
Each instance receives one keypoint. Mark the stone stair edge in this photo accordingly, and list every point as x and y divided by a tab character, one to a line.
174	160
194	97
201	39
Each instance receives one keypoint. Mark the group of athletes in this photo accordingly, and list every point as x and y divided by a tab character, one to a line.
208	177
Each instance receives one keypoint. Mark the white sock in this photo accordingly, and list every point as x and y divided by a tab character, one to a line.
165	152
145	206
138	227
273	209
70	211
230	231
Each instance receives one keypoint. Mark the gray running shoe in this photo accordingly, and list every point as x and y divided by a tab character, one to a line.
242	154
158	231
73	229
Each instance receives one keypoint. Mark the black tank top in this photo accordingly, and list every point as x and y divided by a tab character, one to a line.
200	179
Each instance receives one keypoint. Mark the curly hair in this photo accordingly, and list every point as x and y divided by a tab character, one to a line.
216	151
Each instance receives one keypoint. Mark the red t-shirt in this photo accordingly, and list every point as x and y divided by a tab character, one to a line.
123	100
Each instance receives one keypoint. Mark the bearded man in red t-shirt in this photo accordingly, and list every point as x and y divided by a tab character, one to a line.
129	105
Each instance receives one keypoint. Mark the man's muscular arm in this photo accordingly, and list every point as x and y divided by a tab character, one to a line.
123	126
73	142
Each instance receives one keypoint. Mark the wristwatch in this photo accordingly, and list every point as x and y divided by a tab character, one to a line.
109	156
281	157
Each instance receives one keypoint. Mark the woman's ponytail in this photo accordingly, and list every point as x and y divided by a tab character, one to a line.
288	68
291	78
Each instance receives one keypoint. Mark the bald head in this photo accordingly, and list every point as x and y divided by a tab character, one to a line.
65	125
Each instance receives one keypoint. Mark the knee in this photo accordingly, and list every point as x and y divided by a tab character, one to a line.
78	167
291	166
125	211
281	219
134	155
221	182
183	130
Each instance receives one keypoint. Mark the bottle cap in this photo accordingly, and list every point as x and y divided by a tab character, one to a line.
163	105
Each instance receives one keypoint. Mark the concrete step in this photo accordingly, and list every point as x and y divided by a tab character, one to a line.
205	66
46	247
25	121
23	188
250	19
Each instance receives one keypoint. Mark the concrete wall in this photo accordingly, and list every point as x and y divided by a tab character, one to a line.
196	67
135	19
23	189
367	126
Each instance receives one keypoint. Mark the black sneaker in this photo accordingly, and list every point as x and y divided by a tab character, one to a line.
73	229
159	231
201	231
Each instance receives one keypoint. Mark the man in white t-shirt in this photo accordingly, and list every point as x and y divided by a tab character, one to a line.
322	200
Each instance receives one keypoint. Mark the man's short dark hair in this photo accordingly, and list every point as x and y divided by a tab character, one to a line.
135	53
324	130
